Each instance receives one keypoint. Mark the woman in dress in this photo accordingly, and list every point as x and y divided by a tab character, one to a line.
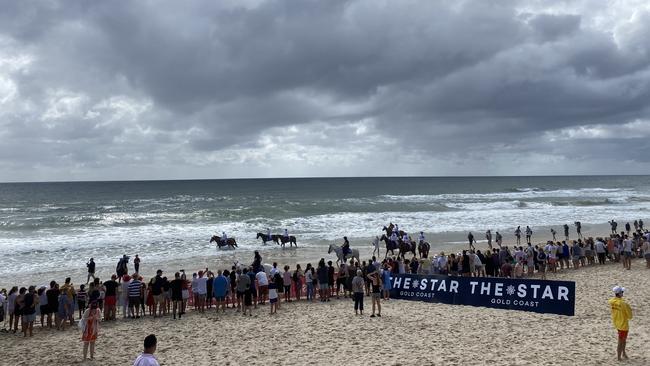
89	328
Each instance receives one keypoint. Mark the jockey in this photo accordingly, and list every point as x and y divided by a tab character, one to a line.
224	238
286	234
396	229
346	246
268	233
421	237
393	239
406	239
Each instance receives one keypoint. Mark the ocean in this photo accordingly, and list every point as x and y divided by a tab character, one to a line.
56	227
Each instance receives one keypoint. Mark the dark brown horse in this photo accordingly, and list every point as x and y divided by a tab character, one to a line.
389	231
423	249
406	247
265	237
231	242
390	246
282	240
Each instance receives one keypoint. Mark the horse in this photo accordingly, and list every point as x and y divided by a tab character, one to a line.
339	253
231	243
282	240
389	231
423	249
405	247
265	238
390	246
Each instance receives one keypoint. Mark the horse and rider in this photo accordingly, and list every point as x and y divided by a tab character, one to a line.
277	239
224	241
342	252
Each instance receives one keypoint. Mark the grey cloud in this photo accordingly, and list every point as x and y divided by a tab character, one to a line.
442	81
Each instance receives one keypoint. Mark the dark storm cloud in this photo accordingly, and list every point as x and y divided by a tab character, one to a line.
92	86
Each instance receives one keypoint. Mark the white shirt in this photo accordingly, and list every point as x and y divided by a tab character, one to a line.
286	232
201	285
273	271
262	280
146	359
600	247
442	262
308	278
421	237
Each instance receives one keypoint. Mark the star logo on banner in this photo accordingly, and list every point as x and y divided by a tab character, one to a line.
415	284
510	290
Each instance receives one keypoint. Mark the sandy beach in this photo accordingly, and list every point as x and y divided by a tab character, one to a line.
408	333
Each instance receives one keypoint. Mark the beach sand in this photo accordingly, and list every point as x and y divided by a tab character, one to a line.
408	333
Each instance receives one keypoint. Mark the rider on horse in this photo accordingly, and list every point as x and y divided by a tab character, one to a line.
421	239
224	238
286	234
268	233
346	247
406	239
393	239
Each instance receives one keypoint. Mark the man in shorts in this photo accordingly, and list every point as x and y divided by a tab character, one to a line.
220	288
263	285
621	314
110	298
176	289
157	292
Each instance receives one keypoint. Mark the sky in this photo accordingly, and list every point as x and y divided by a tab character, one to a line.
105	90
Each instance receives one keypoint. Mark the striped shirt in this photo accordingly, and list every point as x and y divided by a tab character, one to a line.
81	295
134	288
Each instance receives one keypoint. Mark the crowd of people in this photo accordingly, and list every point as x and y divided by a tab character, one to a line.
245	288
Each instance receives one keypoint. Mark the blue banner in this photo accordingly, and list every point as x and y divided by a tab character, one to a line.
540	296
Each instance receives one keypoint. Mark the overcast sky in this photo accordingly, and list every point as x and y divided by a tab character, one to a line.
94	90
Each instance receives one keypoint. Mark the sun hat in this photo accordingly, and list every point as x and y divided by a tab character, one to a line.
618	289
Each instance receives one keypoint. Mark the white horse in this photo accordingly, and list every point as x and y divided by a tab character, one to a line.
339	253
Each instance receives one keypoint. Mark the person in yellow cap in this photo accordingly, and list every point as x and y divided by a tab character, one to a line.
621	314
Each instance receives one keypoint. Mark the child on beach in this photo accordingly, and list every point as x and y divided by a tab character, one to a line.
273	295
89	325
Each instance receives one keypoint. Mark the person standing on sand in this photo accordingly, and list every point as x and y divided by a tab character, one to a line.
136	263
110	298
518	234
488	236
219	288
553	232
621	314
646	252
499	239
470	238
147	358
566	232
529	234
375	282
627	253
91	270
578	229
286	282
613	224
89	329
176	288
358	285
30	302
273	296
375	245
